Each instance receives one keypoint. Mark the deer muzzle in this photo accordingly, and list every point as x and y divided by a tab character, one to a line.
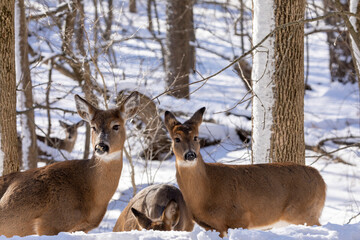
190	156
101	148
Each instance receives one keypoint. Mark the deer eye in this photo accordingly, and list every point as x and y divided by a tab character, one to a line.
116	127
177	140
93	128
196	138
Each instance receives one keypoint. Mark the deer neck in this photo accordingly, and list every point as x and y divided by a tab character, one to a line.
67	145
106	173
192	179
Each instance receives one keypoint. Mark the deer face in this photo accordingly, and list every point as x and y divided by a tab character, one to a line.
107	131
71	130
107	126
185	140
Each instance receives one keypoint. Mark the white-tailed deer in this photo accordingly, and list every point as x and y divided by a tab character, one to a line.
68	142
158	207
222	196
71	195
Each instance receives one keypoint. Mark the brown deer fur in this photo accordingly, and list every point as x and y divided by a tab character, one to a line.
71	195
246	196
158	207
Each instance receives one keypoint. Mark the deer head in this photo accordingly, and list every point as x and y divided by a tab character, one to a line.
185	137
107	126
71	130
168	220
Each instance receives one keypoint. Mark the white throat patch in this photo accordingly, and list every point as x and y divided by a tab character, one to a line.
185	163
111	156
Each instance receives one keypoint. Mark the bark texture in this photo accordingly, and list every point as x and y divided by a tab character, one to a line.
8	88
178	49
287	140
355	37
28	120
132	6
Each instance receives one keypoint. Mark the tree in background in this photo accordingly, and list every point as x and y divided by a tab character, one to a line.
278	82
355	36
340	61
28	134
353	26
132	6
9	156
177	58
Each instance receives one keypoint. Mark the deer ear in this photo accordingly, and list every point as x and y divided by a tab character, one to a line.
197	117
63	124
171	214
80	123
170	121
142	219
130	105
84	109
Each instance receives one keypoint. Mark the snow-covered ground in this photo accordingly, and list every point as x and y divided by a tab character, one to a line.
331	110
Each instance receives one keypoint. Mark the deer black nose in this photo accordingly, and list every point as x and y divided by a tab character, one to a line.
101	148
189	156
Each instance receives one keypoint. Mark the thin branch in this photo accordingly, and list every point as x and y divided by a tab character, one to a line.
51	12
301	21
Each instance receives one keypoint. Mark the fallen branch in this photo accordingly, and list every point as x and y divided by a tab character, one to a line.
319	149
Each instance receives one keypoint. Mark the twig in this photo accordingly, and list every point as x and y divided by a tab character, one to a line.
353	217
132	173
323	153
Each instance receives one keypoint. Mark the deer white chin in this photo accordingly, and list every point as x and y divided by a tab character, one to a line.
110	156
186	163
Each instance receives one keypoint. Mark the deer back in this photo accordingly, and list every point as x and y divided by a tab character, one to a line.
152	201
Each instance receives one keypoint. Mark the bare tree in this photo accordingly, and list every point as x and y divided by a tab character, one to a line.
355	36
192	38
353	26
9	156
278	83
340	62
178	18
28	134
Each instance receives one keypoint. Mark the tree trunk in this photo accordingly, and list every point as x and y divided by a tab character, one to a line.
84	73
132	6
355	8
192	54
108	21
28	134
177	44
9	156
278	104
340	63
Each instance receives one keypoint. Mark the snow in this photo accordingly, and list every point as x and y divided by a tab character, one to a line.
331	110
262	78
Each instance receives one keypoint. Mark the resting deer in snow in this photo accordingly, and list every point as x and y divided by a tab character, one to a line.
68	142
222	196
158	207
71	195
